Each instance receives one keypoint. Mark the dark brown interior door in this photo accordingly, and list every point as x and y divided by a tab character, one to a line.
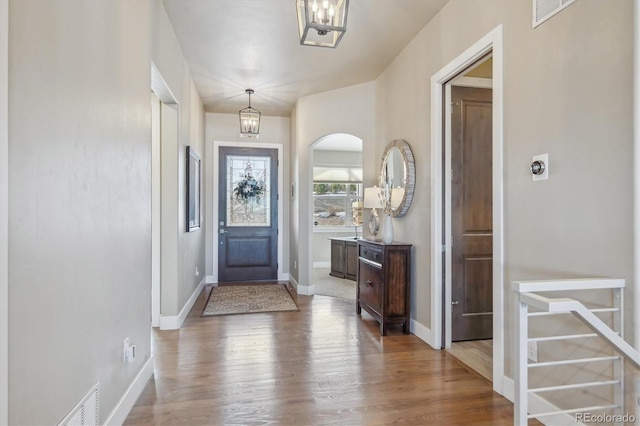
248	214
471	214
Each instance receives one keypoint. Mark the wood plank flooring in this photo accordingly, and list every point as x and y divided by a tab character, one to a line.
323	365
477	354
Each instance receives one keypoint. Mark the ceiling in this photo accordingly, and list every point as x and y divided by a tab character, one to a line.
232	45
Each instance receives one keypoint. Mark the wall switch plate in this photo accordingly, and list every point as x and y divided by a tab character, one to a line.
544	158
125	348
532	351
197	273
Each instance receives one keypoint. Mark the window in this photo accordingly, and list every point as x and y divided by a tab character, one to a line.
337	205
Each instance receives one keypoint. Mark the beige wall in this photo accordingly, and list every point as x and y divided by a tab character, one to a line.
182	252
79	203
226	128
567	92
348	110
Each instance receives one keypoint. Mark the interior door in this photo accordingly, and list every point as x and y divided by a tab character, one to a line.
471	214
248	214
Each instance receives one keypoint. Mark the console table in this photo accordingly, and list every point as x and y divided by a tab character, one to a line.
344	258
384	281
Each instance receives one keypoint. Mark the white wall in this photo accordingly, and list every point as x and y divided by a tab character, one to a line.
226	128
185	252
348	110
79	202
567	93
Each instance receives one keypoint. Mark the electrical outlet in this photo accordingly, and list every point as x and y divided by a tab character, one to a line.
295	264
125	348
532	351
197	273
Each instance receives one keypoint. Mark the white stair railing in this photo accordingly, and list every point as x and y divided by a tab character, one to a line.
525	298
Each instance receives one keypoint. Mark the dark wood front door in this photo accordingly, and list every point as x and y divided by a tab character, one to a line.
471	214
248	214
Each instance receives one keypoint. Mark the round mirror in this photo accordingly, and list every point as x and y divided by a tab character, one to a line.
398	175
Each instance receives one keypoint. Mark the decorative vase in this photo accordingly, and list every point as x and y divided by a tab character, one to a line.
387	230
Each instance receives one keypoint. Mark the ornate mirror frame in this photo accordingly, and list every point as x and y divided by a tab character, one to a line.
402	149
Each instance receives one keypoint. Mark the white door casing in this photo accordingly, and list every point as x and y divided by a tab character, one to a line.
492	42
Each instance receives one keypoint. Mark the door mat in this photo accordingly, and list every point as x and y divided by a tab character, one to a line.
250	298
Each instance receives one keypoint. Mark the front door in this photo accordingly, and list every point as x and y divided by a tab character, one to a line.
248	214
471	214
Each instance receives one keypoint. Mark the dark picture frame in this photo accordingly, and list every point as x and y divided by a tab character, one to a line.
193	190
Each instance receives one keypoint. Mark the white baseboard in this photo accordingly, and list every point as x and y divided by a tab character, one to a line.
176	321
538	404
131	395
305	290
322	264
284	277
209	279
422	332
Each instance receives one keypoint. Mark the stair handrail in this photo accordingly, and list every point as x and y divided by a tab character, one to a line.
588	318
524	297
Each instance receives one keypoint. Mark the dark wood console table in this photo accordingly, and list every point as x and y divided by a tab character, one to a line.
384	281
344	258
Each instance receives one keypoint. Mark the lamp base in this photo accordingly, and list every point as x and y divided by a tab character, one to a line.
374	223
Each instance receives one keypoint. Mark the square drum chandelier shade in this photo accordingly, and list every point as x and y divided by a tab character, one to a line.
249	120
322	23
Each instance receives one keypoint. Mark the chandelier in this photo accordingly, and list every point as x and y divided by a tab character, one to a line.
328	19
249	119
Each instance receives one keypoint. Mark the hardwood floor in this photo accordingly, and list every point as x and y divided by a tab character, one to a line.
323	365
477	354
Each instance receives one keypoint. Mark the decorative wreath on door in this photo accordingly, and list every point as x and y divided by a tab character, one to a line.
249	188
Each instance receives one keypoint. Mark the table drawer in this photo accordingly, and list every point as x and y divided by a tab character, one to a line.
370	286
373	254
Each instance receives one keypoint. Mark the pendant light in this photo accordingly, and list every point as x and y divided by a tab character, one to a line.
327	19
249	119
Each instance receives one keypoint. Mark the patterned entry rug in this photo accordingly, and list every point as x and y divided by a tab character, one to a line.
250	298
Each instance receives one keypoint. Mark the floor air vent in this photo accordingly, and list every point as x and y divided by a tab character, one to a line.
545	9
86	412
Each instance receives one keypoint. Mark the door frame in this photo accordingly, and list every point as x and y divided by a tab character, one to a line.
440	240
161	89
4	213
216	204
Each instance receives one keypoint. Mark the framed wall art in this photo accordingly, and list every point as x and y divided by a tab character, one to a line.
193	190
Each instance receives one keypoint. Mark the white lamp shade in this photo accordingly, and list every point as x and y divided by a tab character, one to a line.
372	198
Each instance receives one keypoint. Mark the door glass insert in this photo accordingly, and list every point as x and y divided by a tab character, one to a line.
248	190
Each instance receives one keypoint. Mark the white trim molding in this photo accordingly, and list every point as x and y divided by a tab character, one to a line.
131	395
421	332
215	227
4	212
305	290
175	322
490	43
